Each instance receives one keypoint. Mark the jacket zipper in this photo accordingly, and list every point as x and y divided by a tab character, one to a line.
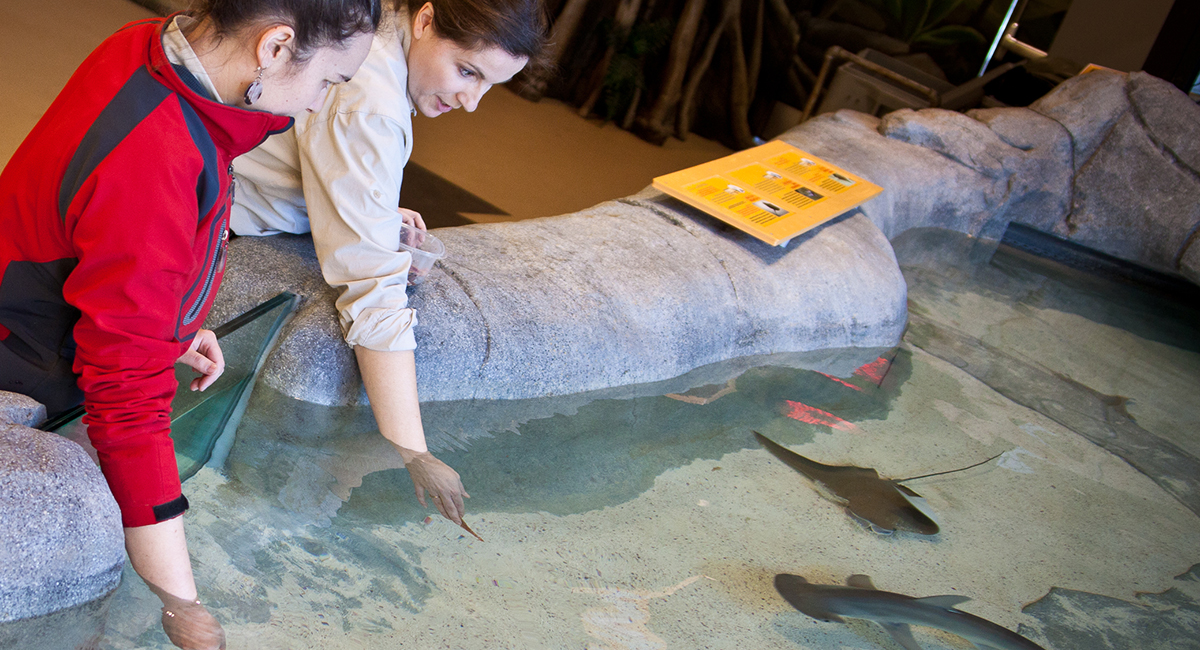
218	258
210	274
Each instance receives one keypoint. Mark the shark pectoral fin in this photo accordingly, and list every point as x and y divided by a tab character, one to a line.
917	501
948	601
902	635
822	614
860	581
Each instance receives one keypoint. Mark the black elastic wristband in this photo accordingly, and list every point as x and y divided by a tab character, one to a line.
170	509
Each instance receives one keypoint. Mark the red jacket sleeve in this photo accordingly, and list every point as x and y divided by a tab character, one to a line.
134	225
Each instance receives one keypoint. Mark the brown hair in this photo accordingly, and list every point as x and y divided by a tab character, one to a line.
519	27
317	23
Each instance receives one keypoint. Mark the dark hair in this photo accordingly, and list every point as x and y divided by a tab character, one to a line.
519	27
318	23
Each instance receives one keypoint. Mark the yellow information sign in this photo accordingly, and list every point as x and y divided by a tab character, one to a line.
774	191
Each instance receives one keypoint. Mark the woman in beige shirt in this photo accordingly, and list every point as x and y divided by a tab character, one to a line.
338	174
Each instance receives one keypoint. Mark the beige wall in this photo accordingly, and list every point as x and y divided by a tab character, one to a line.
41	44
1113	33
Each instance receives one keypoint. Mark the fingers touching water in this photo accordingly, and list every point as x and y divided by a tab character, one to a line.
438	479
204	356
188	624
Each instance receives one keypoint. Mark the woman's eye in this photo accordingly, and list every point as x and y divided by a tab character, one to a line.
466	73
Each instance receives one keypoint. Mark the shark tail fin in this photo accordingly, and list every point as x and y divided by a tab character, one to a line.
947	601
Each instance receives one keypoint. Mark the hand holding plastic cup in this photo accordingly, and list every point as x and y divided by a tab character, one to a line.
425	248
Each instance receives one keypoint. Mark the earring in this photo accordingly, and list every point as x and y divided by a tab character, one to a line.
255	89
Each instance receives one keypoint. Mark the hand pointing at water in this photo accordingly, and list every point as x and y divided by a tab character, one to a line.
443	483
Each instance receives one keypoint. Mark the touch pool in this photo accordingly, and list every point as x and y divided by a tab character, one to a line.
658	522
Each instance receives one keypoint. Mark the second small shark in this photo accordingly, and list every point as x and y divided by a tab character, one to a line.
895	612
885	505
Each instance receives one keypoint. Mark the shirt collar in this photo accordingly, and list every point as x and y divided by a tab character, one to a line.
180	53
403	23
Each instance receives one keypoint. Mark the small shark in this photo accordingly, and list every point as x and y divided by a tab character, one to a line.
885	505
895	612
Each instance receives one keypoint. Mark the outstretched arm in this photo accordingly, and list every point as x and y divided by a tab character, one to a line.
159	555
391	381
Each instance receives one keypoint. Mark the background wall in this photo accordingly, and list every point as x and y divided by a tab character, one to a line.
1113	33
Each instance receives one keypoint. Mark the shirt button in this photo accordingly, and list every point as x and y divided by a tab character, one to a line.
377	194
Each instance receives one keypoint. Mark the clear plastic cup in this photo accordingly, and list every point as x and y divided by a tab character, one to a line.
425	248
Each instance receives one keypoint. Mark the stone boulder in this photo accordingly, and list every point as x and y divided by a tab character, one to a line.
632	291
1137	167
1107	160
61	541
922	186
16	408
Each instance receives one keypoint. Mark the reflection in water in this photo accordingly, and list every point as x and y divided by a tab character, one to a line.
623	625
1170	619
313	493
608	452
76	628
1019	338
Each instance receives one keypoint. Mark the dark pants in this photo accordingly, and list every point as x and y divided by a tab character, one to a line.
54	385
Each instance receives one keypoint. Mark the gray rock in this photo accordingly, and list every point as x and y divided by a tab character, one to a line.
1133	202
1171	118
922	187
1135	190
307	364
628	292
61	541
19	409
1087	106
1106	160
963	140
1041	175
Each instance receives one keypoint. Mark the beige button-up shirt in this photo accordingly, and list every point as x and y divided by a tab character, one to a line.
338	174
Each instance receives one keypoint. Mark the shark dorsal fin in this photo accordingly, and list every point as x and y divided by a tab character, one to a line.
860	581
948	601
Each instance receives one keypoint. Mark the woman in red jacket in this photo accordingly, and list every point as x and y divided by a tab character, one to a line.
115	219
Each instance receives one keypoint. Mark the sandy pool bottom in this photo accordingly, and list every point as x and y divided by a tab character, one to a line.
689	562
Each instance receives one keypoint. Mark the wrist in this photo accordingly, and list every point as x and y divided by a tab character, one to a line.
409	454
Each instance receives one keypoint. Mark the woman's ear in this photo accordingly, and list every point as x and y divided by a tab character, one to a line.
423	21
275	45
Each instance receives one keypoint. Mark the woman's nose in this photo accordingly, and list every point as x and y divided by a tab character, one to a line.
319	101
470	98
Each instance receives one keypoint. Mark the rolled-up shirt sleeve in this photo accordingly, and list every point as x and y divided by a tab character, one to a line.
352	166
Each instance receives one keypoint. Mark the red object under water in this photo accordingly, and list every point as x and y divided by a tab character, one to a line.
875	371
842	382
805	413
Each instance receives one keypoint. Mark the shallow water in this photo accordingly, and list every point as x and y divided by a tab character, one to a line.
658	522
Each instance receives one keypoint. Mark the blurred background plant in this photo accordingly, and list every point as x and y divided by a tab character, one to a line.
723	68
918	22
625	80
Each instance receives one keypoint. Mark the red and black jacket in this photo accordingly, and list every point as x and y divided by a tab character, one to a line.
113	230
